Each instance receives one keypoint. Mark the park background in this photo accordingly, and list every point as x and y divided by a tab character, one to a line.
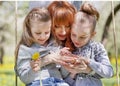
8	36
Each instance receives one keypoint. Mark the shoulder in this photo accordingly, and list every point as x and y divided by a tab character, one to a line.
24	50
96	45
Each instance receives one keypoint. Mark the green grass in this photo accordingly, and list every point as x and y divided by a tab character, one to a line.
7	74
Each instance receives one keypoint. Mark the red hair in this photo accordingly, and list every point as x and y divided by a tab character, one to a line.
62	13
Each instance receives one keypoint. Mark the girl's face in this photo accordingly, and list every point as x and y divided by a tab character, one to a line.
41	32
80	35
61	31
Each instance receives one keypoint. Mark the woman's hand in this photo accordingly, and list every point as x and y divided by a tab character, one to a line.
35	65
61	57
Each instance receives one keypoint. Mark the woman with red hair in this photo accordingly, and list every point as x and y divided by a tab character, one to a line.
62	16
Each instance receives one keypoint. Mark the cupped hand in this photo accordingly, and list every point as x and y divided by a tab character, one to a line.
35	65
65	51
78	67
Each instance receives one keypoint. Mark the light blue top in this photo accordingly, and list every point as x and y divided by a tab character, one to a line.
99	63
24	70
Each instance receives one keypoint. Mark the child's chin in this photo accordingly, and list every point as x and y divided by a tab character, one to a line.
41	43
77	46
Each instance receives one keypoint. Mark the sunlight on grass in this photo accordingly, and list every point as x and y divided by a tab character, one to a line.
113	60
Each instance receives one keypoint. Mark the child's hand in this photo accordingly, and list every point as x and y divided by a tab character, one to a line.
35	65
80	60
65	51
71	58
68	59
81	66
78	68
35	56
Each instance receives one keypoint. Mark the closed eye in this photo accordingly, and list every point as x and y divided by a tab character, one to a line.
83	37
56	26
73	35
47	32
67	26
37	33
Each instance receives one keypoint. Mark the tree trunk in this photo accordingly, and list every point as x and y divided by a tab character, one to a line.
107	25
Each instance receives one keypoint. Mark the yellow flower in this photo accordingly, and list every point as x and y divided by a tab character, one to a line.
35	56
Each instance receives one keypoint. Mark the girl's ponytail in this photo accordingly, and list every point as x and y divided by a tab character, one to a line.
89	9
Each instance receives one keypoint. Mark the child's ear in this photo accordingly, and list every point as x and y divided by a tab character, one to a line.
93	33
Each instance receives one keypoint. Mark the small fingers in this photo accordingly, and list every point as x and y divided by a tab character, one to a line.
36	69
84	64
82	68
67	48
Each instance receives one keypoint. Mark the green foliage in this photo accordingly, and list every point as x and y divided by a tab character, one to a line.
7	14
7	74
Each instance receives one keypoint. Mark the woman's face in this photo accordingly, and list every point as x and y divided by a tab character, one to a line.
61	31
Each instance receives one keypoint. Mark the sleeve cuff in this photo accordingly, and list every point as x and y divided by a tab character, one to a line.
69	80
93	64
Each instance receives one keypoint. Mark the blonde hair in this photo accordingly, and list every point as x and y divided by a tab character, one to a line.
36	15
88	13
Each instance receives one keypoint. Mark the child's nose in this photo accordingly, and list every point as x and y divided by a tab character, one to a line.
42	36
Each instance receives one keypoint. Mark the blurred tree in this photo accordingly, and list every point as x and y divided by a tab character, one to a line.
0	2
2	40
7	26
107	25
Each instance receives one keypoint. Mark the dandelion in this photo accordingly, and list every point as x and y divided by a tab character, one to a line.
35	56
